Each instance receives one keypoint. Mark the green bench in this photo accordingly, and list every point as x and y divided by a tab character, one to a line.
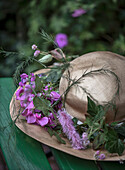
21	152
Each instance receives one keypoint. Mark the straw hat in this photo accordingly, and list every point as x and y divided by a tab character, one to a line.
101	84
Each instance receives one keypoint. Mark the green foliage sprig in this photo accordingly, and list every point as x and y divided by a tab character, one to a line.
102	134
48	38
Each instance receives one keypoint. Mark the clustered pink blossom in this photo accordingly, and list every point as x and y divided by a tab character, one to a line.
68	128
25	95
37	52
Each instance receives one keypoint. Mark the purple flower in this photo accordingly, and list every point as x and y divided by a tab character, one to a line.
97	155
36	53
28	89
24	79
68	128
54	95
26	112
62	40
36	118
97	152
31	118
26	100
30	105
78	12
19	93
42	121
34	47
32	77
102	156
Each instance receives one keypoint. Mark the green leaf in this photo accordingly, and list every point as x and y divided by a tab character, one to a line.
112	135
54	76
50	131
120	129
88	121
75	120
115	146
38	84
100	114
59	138
92	108
42	104
99	140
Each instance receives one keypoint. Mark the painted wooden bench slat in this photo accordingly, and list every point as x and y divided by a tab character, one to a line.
66	162
19	150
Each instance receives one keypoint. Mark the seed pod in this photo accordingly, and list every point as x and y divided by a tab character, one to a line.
46	59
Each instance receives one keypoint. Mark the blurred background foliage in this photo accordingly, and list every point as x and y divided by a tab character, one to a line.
101	28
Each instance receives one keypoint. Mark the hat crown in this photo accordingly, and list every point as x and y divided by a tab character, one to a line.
99	81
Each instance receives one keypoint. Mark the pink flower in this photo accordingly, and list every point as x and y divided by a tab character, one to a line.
27	89
54	95
102	156
31	118
36	53
36	118
24	78
97	155
34	47
78	12
32	77
62	40
30	105
43	121
19	93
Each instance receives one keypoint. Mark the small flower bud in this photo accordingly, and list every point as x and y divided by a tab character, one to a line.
46	59
34	47
56	54
36	53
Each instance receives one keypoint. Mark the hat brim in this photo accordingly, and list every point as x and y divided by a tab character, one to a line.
40	134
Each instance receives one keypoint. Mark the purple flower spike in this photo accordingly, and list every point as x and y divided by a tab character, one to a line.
68	128
78	12
34	47
62	40
36	53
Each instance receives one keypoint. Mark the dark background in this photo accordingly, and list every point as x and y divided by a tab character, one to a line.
101	28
